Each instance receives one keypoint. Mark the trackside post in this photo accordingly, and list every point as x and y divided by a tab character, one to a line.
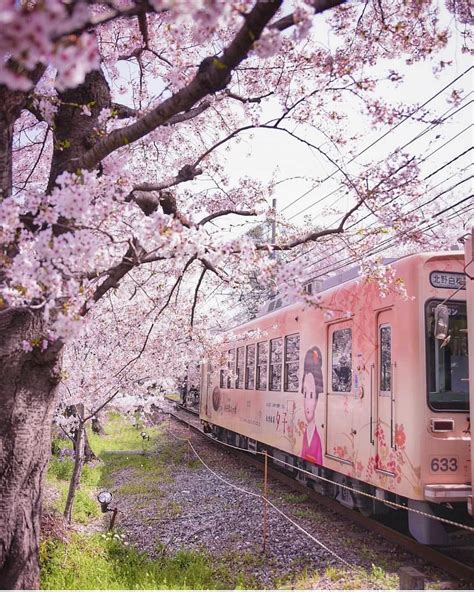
265	503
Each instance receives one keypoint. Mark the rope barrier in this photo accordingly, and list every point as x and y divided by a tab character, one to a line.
263	498
353	489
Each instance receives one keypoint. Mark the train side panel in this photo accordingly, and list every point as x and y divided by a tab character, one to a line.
360	408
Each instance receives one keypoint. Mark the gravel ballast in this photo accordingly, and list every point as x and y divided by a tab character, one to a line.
217	509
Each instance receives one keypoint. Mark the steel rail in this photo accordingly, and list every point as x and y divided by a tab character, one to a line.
429	554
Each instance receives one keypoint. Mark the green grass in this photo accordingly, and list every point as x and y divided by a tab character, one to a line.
121	435
296	498
85	506
344	578
122	447
105	562
99	561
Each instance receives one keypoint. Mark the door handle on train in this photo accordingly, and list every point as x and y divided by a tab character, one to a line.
392	407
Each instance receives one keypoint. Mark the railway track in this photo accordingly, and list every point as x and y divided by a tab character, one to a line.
460	570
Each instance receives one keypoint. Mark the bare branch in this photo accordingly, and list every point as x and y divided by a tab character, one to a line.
208	265
225	213
40	154
312	236
176	284
196	293
91	415
248	99
318	5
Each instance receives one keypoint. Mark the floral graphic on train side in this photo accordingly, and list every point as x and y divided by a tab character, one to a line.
393	460
312	386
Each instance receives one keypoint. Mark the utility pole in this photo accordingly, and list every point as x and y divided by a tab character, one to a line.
273	237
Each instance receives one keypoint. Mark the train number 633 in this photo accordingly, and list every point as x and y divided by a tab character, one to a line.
444	464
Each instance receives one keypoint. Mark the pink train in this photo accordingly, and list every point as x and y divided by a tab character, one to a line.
366	391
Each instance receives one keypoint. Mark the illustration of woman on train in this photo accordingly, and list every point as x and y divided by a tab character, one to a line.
312	385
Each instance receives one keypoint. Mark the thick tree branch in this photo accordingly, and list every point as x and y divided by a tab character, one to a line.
209	79
187	173
131	259
107	17
124	112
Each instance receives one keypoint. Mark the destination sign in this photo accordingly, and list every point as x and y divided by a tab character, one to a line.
448	279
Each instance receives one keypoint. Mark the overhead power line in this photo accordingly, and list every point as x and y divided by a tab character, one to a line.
374	210
399	149
384	135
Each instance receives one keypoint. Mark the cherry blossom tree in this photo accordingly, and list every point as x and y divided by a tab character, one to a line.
115	118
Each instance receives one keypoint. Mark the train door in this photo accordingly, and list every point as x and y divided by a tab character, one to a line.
385	407
340	394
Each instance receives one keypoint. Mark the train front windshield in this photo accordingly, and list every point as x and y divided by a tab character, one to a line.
447	361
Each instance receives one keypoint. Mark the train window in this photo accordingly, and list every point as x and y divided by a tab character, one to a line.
250	367
342	361
447	360
262	365
239	381
230	368
385	340
276	362
292	363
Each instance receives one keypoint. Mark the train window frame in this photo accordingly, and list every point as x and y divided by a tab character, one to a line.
222	371
287	362
333	330
383	392
257	366
247	366
276	365
240	376
231	360
460	407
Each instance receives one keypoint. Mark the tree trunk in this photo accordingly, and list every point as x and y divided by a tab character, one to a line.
27	398
78	410
28	380
76	474
6	142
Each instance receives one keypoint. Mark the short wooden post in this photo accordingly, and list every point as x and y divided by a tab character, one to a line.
265	503
411	579
112	518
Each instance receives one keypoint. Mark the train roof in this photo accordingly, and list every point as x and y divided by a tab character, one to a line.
316	286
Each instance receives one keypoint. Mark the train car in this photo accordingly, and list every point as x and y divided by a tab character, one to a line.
360	391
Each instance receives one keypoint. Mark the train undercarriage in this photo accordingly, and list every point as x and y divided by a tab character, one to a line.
417	517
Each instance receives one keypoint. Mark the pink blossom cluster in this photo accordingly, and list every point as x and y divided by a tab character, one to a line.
35	33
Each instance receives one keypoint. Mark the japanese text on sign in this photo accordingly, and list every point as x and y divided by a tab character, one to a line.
448	279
